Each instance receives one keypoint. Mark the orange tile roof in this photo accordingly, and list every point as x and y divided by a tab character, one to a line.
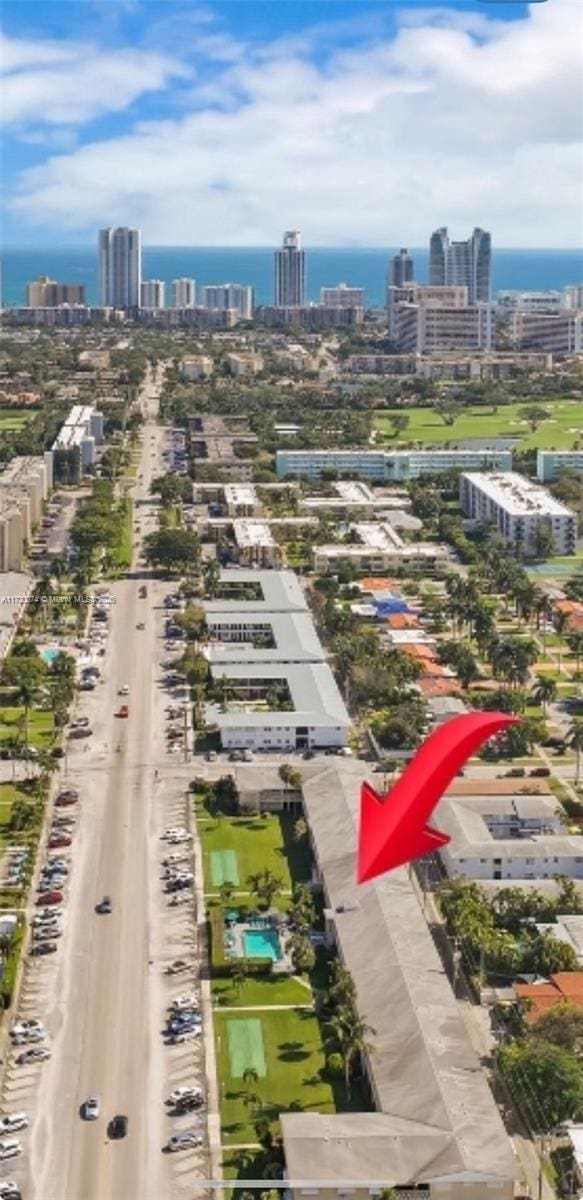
565	985
438	687
570	606
375	584
402	621
420	650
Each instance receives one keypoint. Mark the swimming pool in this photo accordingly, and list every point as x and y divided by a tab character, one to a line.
262	943
49	655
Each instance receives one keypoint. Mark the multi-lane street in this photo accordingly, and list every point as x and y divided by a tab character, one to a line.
103	997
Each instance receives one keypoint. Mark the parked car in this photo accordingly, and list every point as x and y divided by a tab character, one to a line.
78	732
11	1148
540	772
13	1122
64	800
45	898
182	1093
9	1190
35	1054
58	840
183	1141
42	948
28	1026
177	967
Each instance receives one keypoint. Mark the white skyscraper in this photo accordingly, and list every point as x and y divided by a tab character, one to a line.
290	271
230	295
152	293
120	267
183	293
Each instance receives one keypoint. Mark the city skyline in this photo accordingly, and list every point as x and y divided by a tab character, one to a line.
219	127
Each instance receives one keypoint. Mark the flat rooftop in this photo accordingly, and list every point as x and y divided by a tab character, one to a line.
253	533
313	689
517	494
240	493
280	592
294	635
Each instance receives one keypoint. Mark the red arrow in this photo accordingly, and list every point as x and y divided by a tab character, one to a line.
393	828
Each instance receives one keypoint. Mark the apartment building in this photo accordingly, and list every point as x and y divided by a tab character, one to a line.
153	293
310	316
47	293
236	296
342	296
12	536
560	333
432	328
78	436
196	368
519	510
241	500
24	486
183	293
380	548
256	545
550	463
385	466
435	1130
240	365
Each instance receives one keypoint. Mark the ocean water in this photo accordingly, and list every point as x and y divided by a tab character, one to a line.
524	269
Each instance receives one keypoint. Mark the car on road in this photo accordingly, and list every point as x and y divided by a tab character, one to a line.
183	1093
13	1122
177	967
104	905
123	711
124	690
140	625
41	948
539	772
35	1054
92	1108
184	1141
9	1190
80	732
10	1148
236	756
118	1126
49	898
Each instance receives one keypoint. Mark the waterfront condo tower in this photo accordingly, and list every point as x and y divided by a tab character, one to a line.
120	267
466	263
290	272
400	269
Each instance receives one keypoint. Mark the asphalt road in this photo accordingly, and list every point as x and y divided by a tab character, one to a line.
103	996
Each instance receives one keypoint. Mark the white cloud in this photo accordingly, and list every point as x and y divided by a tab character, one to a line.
64	83
460	121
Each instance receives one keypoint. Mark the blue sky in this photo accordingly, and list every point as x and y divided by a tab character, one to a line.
359	122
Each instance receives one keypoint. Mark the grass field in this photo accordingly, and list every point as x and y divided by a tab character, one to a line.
15	418
122	554
559	432
40	726
294	1059
272	990
258	842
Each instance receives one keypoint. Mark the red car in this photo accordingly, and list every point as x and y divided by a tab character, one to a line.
71	793
59	839
49	898
64	799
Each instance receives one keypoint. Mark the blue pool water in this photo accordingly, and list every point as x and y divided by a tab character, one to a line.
49	655
262	943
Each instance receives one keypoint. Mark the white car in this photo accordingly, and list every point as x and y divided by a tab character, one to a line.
124	690
92	1108
186	1001
189	1035
183	1141
10	1148
176	831
35	1054
9	1189
175	839
13	1122
27	1027
183	1093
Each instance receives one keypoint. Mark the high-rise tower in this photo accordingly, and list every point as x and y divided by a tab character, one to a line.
467	263
290	271
120	267
400	269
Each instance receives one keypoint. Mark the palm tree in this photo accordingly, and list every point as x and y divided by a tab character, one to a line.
266	886
226	892
575	644
545	692
212	577
561	622
239	974
290	777
575	740
350	1032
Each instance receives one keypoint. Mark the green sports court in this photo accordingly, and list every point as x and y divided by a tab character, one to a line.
224	867
246	1049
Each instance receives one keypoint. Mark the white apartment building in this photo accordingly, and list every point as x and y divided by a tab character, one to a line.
560	333
196	368
549	463
24	485
385	466
342	296
236	296
241	500
183	293
573	296
453	295
431	328
380	549
529	302
294	359
240	365
152	293
81	432
518	509
255	542
12	537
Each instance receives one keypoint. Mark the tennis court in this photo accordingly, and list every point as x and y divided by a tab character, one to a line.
224	867
246	1049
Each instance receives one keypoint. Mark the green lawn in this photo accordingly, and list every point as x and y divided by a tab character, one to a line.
258	842
40	726
280	990
559	432
295	1059
15	418
122	554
